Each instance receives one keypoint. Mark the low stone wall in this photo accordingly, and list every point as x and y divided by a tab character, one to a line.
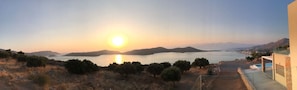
245	80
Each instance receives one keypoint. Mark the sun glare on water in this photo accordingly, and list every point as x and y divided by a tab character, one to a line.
118	59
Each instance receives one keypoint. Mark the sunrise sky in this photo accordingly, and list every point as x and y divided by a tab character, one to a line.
90	25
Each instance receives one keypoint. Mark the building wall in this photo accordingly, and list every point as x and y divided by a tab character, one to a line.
279	68
292	18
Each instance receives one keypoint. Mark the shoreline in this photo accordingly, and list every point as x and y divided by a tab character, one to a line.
105	60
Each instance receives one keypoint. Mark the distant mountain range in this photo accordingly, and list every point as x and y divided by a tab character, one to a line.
136	52
272	45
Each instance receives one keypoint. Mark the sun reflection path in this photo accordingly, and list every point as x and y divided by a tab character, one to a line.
119	59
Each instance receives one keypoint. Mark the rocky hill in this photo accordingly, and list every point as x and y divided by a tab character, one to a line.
272	45
160	50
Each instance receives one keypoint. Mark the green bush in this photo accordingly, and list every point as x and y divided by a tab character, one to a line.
22	58
171	74
201	62
36	61
138	67
155	69
76	66
16	55
4	54
126	68
113	67
166	64
249	58
183	65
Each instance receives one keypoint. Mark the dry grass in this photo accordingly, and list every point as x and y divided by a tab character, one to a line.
15	76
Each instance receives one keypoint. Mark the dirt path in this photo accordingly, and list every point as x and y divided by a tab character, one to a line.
228	78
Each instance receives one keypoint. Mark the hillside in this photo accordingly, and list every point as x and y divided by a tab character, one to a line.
43	53
272	45
94	53
160	50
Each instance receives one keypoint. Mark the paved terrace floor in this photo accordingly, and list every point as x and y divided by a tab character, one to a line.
262	81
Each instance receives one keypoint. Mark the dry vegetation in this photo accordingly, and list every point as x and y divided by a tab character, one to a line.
16	76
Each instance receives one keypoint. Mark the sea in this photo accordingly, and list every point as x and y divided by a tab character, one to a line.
171	57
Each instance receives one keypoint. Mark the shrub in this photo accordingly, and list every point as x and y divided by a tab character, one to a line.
166	64
22	58
36	61
112	67
4	54
138	67
126	68
16	55
155	69
249	58
201	62
171	74
76	66
183	65
90	66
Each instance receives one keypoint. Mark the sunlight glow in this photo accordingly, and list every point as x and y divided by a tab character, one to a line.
118	41
119	59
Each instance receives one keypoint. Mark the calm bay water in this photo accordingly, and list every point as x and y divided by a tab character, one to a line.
105	60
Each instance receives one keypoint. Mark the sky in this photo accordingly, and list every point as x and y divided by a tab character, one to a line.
90	25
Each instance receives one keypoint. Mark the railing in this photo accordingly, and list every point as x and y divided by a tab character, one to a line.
282	51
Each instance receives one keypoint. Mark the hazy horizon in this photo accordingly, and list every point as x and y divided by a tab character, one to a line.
90	25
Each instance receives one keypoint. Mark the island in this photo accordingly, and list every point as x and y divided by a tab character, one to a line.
161	50
148	51
93	53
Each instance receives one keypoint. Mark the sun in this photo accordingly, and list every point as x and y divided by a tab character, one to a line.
118	41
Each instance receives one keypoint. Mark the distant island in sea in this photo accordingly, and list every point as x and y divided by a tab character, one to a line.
148	51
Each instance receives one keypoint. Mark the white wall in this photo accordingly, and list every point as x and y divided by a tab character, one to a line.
292	12
280	59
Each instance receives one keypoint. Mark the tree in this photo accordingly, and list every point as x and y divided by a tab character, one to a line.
138	67
155	69
77	66
183	65
166	64
171	74
36	61
126	68
256	55
249	58
201	62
